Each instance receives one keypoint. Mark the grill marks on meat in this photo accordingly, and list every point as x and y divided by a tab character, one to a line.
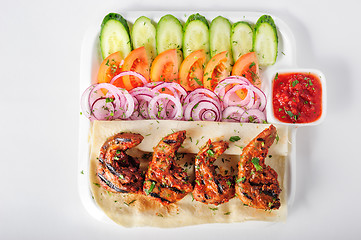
210	187
257	185
165	180
117	171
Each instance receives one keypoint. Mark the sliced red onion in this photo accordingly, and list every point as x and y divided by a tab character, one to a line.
220	89
158	107
232	114
231	98
175	88
152	84
130	73
261	99
148	102
103	109
255	99
113	104
127	108
253	115
84	103
203	108
143	95
201	92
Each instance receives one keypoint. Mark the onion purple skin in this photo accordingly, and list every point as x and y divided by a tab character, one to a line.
148	102
250	109
118	103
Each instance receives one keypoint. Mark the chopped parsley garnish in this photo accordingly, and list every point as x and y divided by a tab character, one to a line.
147	191
229	183
277	138
289	113
255	162
128	204
234	138
276	77
107	100
241	179
294	83
210	152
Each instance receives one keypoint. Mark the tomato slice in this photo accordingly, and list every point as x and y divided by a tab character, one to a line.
110	67
165	67
191	70
216	70
136	61
247	66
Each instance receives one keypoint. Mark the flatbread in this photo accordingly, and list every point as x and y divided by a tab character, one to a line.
131	210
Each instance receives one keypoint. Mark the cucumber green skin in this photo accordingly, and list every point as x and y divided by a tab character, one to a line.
234	26
194	17
163	20
112	16
202	20
225	20
151	52
115	16
177	44
266	19
241	22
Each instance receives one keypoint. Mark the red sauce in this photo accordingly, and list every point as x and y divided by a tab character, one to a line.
297	97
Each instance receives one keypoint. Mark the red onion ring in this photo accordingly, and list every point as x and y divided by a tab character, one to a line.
261	100
84	103
201	92
232	99
220	89
143	95
158	107
115	103
131	73
175	88
102	109
232	114
255	99
200	106
256	115
148	102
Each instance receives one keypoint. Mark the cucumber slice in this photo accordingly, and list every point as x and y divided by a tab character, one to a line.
219	36
241	39
196	35
143	34
114	35
265	40
170	35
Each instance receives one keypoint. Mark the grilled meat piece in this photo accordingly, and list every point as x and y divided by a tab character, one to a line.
165	180
210	187
257	184
117	171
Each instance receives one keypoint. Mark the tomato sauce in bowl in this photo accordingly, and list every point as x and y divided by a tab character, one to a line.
297	97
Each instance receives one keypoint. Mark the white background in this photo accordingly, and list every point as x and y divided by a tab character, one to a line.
40	44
